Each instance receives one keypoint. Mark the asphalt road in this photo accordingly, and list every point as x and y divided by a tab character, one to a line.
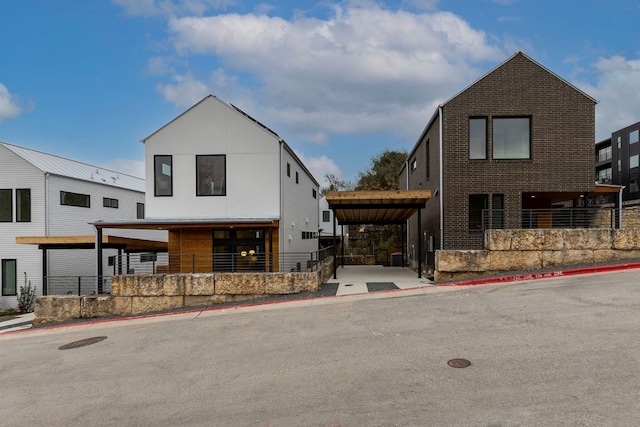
553	352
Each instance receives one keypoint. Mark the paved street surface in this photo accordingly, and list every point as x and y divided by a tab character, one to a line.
552	352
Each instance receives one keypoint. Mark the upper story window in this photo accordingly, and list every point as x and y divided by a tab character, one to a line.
6	205
288	170
604	176
478	138
211	175
162	175
75	199
314	193
297	178
110	203
428	159
633	136
604	154
414	165
140	210
23	205
326	216
512	138
634	161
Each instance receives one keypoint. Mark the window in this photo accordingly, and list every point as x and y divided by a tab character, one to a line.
478	138
162	175
326	216
149	257
633	161
110	203
211	175
314	193
428	163
23	205
511	138
297	178
306	235
9	277
288	170
140	210
75	199
497	211
477	203
634	186
6	206
604	176
633	136
414	165
604	154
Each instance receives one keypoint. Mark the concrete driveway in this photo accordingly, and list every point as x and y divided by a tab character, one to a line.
562	351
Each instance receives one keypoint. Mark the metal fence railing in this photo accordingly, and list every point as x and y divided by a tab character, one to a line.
76	285
163	263
551	218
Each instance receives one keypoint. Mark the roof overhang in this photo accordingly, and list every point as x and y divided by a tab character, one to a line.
89	242
376	207
180	223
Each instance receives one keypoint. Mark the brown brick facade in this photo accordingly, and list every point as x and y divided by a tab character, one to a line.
561	148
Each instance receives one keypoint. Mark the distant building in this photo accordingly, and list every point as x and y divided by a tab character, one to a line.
617	162
519	138
45	195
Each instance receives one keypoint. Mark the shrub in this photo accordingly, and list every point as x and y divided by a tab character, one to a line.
26	296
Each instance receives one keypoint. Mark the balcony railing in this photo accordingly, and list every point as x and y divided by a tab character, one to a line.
551	218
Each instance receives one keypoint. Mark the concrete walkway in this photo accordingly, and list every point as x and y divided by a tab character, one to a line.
21	321
353	279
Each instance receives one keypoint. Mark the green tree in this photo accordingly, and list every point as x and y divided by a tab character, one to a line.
335	184
383	173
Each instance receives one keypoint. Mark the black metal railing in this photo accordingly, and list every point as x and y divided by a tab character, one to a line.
551	218
77	285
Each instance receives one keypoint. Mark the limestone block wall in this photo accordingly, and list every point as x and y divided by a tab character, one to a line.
516	250
137	294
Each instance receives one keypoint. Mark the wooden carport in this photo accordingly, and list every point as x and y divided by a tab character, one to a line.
377	207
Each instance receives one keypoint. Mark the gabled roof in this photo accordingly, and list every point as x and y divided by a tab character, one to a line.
521	54
56	165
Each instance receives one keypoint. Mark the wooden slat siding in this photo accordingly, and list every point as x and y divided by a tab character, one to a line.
198	242
174	250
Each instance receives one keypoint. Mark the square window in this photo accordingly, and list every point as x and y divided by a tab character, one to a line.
633	161
23	205
511	138
633	136
211	175
162	175
326	216
478	138
6	205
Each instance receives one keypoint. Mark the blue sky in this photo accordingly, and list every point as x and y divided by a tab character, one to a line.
339	81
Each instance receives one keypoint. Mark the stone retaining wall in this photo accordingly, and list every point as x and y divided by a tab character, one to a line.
514	250
137	294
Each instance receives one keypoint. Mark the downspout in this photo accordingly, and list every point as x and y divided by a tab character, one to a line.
46	203
281	222
622	187
441	168
407	231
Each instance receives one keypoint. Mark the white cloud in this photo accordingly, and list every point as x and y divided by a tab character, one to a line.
185	91
617	89
9	108
320	167
363	70
126	166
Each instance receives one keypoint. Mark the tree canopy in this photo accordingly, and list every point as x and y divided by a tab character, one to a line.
383	173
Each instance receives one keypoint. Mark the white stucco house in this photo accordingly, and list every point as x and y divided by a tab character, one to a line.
49	202
231	193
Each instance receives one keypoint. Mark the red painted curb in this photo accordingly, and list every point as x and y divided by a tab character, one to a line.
544	275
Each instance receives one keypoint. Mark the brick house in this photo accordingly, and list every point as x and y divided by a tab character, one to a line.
520	137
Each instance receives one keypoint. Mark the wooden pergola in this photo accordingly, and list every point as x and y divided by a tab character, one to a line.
377	207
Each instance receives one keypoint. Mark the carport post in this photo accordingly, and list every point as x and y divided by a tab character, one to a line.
45	285
335	252
342	245
419	245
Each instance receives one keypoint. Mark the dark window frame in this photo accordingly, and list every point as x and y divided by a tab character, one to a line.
222	185
485	149
493	137
9	192
20	215
15	278
326	216
289	169
69	201
475	223
428	159
139	210
156	159
108	202
314	193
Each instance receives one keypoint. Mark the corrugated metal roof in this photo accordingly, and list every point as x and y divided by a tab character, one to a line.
55	165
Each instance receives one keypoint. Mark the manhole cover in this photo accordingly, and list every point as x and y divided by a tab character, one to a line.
81	343
459	363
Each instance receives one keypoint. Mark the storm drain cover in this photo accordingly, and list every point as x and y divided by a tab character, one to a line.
459	363
82	343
